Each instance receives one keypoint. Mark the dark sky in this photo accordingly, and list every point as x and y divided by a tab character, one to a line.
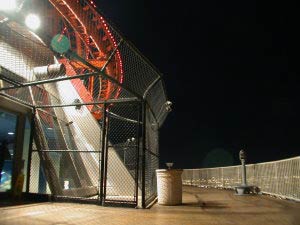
231	69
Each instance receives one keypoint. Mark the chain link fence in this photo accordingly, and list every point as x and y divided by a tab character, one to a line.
123	124
97	102
279	178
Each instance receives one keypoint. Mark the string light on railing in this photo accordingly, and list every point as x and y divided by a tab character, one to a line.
93	4
115	45
111	37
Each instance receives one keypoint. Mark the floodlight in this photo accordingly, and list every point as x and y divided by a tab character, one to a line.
32	21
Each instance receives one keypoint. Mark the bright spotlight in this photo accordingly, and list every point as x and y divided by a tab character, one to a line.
32	21
8	5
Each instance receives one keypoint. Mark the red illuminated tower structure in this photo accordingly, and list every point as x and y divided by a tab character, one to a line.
92	39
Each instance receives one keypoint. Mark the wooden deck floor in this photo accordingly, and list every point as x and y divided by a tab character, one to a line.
200	206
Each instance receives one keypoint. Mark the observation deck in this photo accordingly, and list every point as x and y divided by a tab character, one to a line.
200	206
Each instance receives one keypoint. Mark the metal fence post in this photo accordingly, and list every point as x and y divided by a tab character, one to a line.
103	156
144	154
30	150
138	154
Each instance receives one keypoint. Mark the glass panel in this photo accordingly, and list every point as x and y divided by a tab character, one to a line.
8	122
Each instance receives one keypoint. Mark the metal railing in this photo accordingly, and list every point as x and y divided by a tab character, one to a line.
279	178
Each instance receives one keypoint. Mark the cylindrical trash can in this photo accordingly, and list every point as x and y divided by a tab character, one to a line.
169	186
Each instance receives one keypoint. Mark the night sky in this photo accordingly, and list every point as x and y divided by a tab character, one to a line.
231	69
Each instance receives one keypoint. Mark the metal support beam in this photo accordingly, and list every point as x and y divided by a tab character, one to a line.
125	100
80	76
123	118
76	151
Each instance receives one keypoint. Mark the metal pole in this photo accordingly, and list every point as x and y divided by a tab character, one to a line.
80	76
103	155
137	161
244	179
144	155
91	103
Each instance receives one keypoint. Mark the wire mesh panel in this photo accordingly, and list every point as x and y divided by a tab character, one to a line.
22	51
151	165
158	102
69	168
122	153
38	182
280	178
151	156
